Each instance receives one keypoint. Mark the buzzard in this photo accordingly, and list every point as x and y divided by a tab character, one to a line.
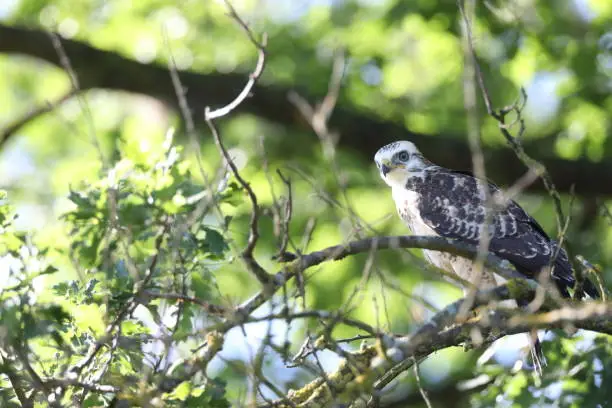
433	200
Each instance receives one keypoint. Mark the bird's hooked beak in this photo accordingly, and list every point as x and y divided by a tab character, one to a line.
385	167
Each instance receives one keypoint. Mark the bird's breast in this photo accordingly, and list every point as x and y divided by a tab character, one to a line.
407	204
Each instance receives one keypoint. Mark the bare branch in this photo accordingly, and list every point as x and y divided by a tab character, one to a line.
7	133
87	386
502	198
418	380
333	253
318	314
102	69
247	253
210	116
76	88
393	355
469	97
208	307
596	315
500	116
253	77
287	212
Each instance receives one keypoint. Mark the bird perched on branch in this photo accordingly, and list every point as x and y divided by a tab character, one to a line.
433	200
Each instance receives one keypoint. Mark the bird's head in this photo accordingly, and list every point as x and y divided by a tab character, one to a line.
399	161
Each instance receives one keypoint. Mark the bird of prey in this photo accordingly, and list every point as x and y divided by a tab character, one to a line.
433	200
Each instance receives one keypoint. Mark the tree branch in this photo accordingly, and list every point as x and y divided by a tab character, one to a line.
108	70
337	252
210	115
9	131
444	331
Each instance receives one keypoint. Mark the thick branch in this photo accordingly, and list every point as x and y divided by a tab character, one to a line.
104	69
444	331
334	253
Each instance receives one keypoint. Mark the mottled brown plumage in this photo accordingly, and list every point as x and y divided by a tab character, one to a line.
433	200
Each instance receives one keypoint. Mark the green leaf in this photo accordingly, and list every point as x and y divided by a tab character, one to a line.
213	243
182	391
200	285
516	386
185	325
93	401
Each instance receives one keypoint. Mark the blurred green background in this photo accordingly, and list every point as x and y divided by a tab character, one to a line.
403	79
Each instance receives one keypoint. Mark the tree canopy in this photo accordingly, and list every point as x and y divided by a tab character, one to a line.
190	214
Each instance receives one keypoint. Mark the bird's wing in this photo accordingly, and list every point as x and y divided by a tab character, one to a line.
452	204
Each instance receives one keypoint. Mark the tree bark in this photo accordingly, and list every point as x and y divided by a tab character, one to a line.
360	131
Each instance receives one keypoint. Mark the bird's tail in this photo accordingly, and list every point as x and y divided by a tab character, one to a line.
537	356
538	360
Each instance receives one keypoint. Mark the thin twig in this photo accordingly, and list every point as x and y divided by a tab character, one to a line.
338	252
253	77
12	128
74	81
287	212
207	306
247	254
514	142
502	198
441	332
418	381
128	307
318	314
209	115
15	380
469	92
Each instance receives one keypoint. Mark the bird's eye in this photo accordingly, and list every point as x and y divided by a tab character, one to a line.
403	156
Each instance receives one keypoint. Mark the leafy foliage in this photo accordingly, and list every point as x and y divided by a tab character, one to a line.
133	236
146	238
577	377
